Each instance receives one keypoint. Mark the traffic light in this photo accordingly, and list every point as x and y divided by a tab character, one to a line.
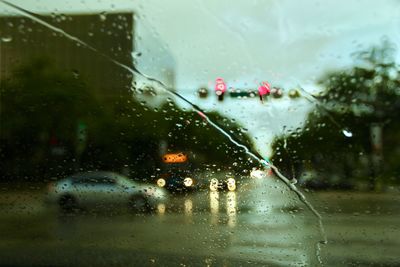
294	93
276	92
220	88
202	92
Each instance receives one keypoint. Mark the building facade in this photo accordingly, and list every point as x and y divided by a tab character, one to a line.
112	35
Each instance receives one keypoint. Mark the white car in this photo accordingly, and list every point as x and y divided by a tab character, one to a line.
97	189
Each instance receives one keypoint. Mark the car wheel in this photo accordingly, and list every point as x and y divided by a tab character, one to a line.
139	203
67	203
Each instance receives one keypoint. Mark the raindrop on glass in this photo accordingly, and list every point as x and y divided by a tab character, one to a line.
6	39
103	16
136	54
347	133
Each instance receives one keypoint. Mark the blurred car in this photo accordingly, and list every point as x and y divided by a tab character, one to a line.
93	189
260	173
177	182
177	174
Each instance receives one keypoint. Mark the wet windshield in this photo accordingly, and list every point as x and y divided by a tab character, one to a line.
206	133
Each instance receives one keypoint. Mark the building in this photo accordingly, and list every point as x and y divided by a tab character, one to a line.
112	34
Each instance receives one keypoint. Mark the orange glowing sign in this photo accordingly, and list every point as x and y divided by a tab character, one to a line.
174	158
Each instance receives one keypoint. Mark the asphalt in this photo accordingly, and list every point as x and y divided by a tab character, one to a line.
262	224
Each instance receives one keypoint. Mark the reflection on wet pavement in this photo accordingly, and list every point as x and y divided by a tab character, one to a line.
214	207
231	208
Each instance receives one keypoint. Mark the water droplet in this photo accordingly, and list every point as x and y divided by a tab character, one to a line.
103	16
75	73
347	133
136	54
6	39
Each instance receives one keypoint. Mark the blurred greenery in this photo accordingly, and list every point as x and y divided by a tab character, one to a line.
54	124
358	102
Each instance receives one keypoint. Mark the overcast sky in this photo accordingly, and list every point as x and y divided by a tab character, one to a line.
247	41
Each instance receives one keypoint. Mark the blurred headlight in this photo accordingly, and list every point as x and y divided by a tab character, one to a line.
161	182
257	174
214	184
231	184
231	181
188	182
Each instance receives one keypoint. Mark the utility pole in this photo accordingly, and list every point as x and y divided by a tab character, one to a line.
376	153
81	137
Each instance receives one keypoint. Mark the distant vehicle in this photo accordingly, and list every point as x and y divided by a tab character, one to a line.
260	173
227	182
177	173
93	189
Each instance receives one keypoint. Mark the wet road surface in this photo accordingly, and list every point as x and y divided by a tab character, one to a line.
262	224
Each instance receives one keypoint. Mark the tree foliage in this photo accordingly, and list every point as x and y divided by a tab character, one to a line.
42	110
337	139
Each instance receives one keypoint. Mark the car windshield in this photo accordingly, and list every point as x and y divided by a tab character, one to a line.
262	133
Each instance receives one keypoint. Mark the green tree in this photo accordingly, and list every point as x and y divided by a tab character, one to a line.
42	109
39	108
353	131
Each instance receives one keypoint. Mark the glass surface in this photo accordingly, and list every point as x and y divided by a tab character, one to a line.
223	133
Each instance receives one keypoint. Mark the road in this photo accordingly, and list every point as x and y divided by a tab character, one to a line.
262	224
